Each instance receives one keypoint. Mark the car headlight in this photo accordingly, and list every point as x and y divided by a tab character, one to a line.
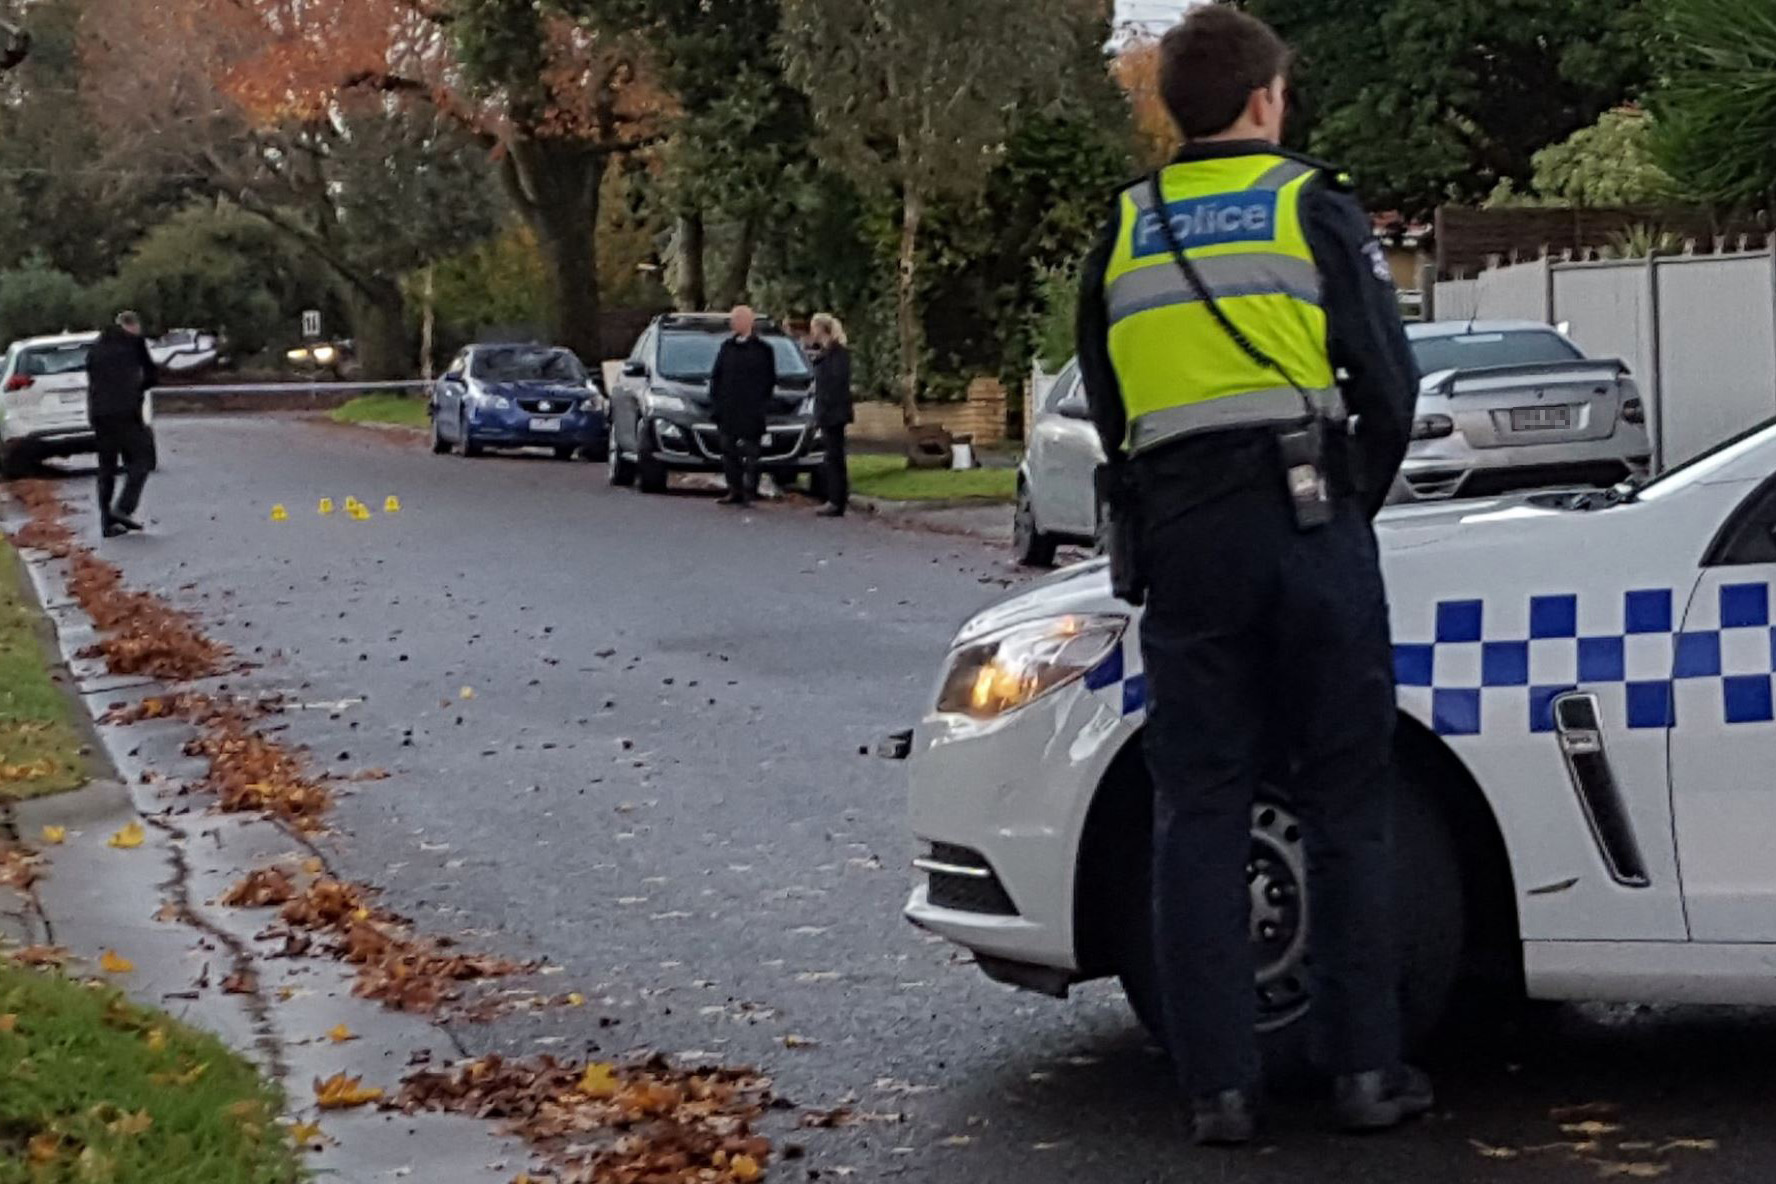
591	405
325	354
1006	671
659	404
497	402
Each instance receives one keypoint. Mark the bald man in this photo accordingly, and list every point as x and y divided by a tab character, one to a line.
740	388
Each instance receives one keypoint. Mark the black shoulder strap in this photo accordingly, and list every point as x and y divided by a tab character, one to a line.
1195	280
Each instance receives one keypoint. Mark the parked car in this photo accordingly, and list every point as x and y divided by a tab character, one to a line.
43	400
1502	406
1057	499
661	419
1586	721
1508	405
518	396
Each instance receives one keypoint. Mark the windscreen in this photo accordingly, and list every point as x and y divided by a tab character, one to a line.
528	365
1479	351
60	359
689	356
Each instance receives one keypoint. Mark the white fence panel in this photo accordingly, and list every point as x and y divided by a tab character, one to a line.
1453	300
1717	348
1517	293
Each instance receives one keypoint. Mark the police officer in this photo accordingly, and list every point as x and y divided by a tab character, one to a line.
1248	372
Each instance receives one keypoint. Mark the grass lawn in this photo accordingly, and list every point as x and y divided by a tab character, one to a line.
888	477
406	410
39	746
93	1088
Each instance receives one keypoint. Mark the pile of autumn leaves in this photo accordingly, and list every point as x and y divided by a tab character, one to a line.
647	1123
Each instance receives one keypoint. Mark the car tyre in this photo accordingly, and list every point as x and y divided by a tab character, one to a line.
12	461
470	449
565	452
650	472
440	446
1032	547
619	470
1430	927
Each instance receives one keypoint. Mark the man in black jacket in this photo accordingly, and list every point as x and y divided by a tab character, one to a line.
833	410
119	373
740	387
1253	384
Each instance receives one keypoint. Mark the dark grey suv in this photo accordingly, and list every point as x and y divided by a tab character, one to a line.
661	419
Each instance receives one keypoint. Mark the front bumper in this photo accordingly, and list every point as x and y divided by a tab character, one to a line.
518	428
1438	470
695	444
1010	797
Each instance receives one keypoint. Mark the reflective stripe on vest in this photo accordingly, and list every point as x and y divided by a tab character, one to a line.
1238	218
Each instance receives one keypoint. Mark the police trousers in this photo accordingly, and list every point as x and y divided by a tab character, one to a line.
1269	667
121	441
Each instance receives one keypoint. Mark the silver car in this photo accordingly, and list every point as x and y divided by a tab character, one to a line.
1506	405
1056	496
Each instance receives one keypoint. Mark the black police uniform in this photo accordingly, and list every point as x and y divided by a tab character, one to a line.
1262	641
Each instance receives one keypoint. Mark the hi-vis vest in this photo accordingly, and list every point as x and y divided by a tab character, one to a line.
1239	220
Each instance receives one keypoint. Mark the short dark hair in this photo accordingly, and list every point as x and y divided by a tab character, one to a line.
1210	64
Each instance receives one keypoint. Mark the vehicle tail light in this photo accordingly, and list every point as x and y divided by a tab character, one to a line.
1432	427
1634	411
18	382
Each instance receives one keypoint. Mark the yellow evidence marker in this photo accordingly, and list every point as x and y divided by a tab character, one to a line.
279	514
391	505
326	506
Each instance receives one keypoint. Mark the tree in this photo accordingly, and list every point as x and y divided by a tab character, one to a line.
1716	109
915	98
1609	164
1427	101
36	299
1136	70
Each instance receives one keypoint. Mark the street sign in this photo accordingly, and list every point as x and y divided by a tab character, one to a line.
311	323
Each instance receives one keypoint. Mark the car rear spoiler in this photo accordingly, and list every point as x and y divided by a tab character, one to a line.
1544	371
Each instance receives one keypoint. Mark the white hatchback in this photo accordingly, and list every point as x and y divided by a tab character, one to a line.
1586	724
43	400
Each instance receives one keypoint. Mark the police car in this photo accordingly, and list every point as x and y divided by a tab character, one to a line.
1587	734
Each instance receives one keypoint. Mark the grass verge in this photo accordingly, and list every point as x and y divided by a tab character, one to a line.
96	1089
39	745
408	411
888	477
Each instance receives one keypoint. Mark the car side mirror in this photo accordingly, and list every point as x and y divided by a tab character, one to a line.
453	376
1074	409
635	369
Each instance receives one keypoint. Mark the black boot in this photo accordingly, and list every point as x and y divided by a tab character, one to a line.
125	521
1380	1100
1226	1119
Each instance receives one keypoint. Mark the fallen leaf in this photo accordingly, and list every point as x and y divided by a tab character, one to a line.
131	1124
1491	1152
131	836
41	956
156	1039
1633	1171
305	1134
1589	1130
794	1041
1690	1145
958	1140
55	836
241	982
745	1168
181	1079
111	962
575	999
599	1080
466	693
341	1034
44	1148
340	1092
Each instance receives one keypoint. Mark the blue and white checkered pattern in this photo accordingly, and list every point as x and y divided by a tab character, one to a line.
1477	677
1501	669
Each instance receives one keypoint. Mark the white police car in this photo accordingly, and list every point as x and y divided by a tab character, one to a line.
1587	744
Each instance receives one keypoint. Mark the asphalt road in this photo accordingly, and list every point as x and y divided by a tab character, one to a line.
656	786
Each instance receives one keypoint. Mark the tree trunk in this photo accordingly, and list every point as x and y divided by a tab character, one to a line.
428	324
379	326
555	185
692	288
736	284
907	304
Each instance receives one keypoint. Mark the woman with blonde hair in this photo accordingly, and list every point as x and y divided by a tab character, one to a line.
832	406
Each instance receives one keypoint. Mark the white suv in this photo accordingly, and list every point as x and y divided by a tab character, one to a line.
1587	724
43	400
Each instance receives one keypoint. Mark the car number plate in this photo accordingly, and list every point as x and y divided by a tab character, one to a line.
545	425
1540	419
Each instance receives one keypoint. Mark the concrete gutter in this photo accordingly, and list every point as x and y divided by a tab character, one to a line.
156	906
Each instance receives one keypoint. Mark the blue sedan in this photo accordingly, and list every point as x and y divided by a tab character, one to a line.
518	396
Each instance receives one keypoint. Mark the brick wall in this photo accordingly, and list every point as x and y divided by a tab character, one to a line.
981	416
